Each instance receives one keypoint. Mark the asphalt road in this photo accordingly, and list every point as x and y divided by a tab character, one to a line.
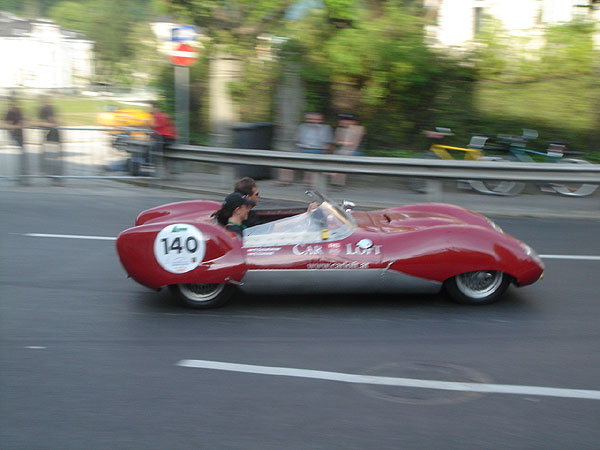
90	359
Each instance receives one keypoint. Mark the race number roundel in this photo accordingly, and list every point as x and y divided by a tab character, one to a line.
179	248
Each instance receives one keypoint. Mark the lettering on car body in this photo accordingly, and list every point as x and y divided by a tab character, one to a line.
348	265
356	250
334	249
263	251
307	249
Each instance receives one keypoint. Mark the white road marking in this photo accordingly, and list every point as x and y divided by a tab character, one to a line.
72	236
392	381
35	347
576	257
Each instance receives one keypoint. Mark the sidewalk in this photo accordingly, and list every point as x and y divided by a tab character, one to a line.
367	192
373	192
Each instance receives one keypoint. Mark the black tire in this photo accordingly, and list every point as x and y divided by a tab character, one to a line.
477	288
202	296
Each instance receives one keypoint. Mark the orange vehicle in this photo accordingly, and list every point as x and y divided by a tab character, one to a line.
127	118
118	118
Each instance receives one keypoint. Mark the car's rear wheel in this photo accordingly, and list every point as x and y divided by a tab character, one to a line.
203	296
477	288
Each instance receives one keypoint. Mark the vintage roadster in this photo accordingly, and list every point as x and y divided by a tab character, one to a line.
418	248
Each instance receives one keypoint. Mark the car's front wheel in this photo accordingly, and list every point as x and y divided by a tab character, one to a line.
203	296
477	288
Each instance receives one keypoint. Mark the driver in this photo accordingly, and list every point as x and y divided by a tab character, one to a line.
249	190
247	187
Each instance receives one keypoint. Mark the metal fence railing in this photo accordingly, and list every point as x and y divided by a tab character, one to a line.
122	153
82	152
432	171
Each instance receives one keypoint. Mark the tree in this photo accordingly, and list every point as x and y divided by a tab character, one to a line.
111	26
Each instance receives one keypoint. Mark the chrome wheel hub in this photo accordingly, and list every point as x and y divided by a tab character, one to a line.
479	284
201	292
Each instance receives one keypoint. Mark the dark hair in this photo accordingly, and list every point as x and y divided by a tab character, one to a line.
222	215
245	186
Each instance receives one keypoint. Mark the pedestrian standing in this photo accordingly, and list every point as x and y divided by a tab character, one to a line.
13	121
348	136
165	131
51	157
313	137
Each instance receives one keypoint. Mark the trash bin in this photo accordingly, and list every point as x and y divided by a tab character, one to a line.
253	135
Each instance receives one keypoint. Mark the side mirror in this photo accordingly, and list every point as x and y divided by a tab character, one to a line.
348	206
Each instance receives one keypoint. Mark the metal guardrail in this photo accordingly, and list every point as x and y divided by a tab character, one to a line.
405	167
87	152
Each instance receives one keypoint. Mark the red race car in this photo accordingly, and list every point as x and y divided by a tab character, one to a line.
420	248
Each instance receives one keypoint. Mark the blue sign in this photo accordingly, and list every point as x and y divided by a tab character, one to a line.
184	33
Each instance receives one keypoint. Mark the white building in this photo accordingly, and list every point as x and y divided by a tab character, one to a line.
39	54
457	22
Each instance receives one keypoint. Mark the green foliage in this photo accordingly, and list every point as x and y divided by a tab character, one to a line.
569	49
27	8
71	14
566	49
491	56
254	93
342	9
379	66
115	28
234	22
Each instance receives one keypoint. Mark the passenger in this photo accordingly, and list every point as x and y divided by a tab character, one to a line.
247	187
233	212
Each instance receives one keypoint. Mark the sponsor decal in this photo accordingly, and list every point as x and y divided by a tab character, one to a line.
307	249
179	248
334	248
262	251
348	265
356	250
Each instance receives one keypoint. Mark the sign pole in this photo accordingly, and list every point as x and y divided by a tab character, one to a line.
182	103
182	56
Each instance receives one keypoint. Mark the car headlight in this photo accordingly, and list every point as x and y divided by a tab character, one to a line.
495	226
531	253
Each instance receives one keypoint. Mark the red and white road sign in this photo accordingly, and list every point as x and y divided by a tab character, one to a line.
183	55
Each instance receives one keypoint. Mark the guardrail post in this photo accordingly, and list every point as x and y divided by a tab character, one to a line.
226	176
23	164
434	190
58	164
321	181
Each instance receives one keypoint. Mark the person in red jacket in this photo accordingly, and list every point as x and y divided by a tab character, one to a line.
165	131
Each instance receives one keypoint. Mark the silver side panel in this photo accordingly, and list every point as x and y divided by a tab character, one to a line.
306	281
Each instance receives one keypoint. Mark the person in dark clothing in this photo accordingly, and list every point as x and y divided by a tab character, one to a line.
48	120
247	187
14	121
233	212
51	151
